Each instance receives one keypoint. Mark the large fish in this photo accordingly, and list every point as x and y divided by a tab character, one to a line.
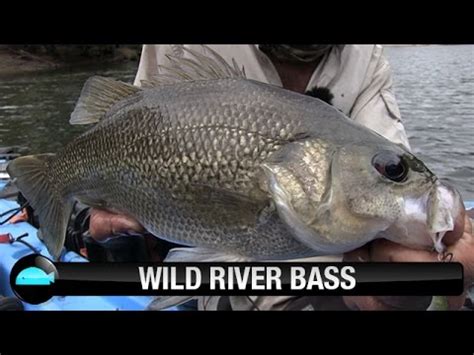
204	157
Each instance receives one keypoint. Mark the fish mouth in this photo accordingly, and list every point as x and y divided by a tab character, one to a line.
425	220
444	206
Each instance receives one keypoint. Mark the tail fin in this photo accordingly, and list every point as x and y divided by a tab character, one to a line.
30	174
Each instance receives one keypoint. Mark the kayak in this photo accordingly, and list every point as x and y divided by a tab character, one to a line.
10	253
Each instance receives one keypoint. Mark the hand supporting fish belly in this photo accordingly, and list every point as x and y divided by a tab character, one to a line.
104	224
459	242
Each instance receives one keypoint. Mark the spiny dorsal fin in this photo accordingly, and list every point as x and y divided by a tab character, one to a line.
198	66
98	95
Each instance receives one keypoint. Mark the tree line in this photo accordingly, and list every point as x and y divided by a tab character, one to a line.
70	52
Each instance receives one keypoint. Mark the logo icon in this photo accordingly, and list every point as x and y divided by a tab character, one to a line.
34	276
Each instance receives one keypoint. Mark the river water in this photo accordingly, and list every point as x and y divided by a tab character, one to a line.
434	86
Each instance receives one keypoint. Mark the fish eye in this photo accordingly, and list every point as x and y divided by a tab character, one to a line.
391	166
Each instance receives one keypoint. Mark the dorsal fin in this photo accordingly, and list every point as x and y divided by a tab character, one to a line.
98	95
198	66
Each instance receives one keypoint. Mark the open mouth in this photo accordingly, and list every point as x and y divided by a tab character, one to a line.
444	205
427	219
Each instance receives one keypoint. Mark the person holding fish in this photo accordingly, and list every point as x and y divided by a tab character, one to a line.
230	163
355	79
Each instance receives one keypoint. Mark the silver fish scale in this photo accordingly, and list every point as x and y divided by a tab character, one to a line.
175	157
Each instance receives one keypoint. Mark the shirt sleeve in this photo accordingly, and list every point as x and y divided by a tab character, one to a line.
376	106
151	57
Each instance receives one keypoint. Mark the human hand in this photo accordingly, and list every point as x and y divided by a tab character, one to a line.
459	242
104	224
